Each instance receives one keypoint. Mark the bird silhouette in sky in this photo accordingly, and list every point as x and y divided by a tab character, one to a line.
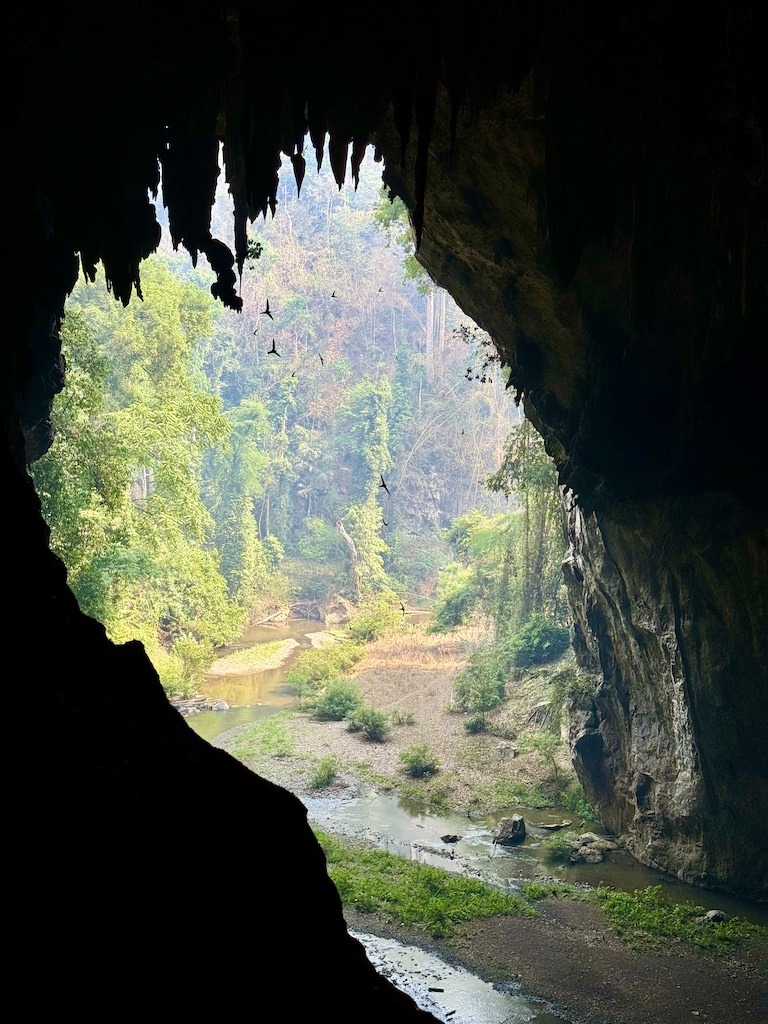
266	312
384	522
322	361
383	483
381	289
334	295
256	331
402	608
273	351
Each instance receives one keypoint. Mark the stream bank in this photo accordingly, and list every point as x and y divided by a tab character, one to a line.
568	957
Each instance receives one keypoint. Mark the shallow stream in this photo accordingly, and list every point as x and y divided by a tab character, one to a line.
410	829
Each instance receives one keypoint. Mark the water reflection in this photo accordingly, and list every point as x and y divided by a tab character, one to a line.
450	993
410	830
253	695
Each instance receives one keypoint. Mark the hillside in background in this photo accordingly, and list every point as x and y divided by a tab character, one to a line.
375	371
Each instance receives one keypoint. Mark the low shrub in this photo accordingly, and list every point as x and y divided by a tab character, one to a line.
558	848
336	701
398	717
319	665
574	800
324	773
453	611
573	688
479	688
536	642
475	723
371	723
419	761
376	617
547	745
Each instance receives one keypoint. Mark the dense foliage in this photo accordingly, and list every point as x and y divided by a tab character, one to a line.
342	436
121	486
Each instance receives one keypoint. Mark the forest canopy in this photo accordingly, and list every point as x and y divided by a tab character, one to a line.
336	437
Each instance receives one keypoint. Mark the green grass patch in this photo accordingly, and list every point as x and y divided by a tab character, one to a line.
535	891
433	795
503	794
645	917
320	665
255	654
558	848
399	717
573	800
374	881
268	737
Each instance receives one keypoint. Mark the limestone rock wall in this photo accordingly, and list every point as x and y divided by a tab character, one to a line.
592	234
670	603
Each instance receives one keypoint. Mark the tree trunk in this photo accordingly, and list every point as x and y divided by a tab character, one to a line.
354	572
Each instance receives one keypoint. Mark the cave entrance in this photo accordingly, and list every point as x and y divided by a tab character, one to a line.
344	449
344	437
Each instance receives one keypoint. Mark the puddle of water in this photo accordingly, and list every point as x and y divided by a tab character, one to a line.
452	994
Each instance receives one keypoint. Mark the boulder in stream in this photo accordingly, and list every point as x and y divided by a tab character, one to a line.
510	831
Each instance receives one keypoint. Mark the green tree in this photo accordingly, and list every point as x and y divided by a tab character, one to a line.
366	552
158	572
362	436
82	481
235	475
528	475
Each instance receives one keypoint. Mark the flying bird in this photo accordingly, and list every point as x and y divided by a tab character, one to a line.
402	608
322	361
273	351
267	312
384	523
383	483
334	295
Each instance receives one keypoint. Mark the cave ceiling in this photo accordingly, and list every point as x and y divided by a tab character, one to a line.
588	181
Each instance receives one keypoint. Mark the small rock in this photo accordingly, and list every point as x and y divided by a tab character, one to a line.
712	917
